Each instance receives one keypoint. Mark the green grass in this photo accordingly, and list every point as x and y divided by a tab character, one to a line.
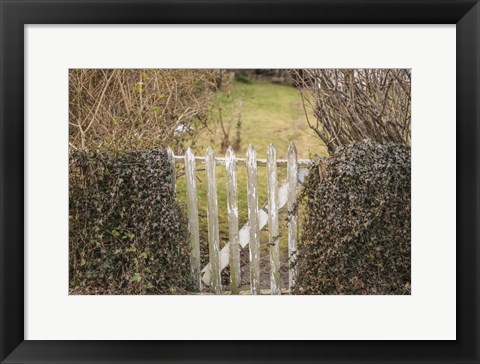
271	113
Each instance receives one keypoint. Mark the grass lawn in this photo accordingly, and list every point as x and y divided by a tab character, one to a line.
271	113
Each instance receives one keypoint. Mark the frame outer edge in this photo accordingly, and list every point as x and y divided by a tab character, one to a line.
11	161
468	180
12	180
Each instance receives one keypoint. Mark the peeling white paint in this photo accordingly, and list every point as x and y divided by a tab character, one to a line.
173	170
244	233
292	177
213	228
286	195
254	241
243	161
192	210
231	169
273	224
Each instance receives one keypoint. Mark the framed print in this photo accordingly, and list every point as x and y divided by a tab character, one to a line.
239	181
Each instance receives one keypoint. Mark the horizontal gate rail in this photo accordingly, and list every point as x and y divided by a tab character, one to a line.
302	163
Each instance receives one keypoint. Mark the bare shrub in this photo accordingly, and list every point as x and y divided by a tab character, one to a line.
226	127
354	104
139	109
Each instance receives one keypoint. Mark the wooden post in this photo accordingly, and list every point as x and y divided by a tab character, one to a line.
173	171
231	167
192	209
213	229
273	230
292	177
254	234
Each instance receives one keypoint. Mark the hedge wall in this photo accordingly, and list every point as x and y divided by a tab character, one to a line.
127	232
356	236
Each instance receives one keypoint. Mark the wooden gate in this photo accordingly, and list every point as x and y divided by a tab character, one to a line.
249	234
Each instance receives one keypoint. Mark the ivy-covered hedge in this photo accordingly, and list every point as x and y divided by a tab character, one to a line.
127	232
356	236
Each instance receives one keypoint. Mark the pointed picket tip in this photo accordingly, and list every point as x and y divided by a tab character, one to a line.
171	158
271	150
230	153
251	152
230	159
189	152
170	153
292	148
210	151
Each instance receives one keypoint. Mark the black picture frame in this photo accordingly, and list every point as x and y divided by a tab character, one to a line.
16	13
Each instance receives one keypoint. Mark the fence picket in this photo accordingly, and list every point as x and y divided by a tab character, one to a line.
212	217
231	167
173	171
254	234
192	210
244	233
249	234
273	229
292	177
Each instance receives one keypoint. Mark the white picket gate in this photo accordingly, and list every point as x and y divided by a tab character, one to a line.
249	234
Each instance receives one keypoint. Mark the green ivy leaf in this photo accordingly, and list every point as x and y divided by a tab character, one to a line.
136	277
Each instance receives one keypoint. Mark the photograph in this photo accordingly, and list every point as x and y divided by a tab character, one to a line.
239	181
